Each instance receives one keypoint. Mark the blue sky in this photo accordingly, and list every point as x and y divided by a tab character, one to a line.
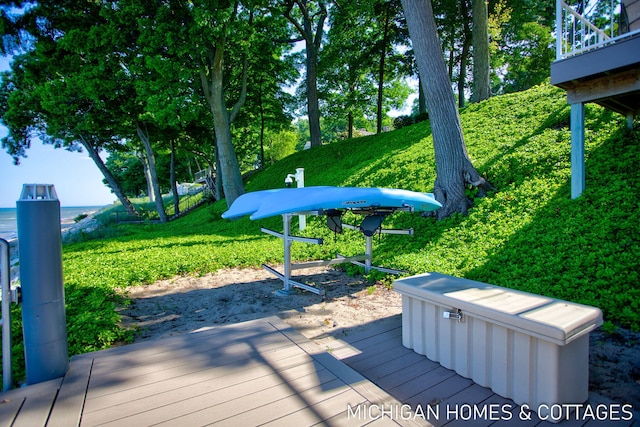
77	180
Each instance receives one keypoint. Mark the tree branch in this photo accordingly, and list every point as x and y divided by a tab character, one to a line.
243	91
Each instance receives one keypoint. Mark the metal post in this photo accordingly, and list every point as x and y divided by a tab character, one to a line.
43	310
369	253
299	178
302	219
6	313
286	223
577	150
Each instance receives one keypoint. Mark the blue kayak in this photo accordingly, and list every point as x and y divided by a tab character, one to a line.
267	203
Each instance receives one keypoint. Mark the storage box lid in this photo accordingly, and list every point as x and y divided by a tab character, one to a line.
546	318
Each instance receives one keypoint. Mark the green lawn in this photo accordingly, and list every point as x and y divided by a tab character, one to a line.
528	234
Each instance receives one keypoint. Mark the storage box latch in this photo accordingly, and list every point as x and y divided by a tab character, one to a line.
454	315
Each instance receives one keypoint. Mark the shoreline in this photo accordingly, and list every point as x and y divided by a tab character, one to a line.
67	219
68	226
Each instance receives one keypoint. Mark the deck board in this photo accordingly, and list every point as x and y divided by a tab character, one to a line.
261	372
194	383
71	396
35	403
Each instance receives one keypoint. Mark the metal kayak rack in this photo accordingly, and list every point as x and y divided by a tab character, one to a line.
369	228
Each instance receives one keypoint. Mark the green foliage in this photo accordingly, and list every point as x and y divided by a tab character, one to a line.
530	60
278	145
527	235
80	217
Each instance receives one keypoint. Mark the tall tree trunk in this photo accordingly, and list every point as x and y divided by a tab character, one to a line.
189	168
262	127
213	84
111	180
313	41
481	64
217	188
172	178
381	62
144	137
147	175
453	167
464	55
349	125
313	103
462	78
452	53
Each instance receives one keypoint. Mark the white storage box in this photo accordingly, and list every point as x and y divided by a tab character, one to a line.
529	348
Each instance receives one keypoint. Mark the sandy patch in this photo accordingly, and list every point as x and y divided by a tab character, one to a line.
183	304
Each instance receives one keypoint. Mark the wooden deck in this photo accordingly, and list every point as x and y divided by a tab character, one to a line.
265	372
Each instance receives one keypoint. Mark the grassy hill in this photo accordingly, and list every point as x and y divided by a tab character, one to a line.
528	234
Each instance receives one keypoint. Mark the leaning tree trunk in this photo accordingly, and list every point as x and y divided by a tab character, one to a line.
453	167
111	180
147	175
172	178
144	137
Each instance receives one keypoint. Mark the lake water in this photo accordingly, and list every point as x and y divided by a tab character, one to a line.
9	225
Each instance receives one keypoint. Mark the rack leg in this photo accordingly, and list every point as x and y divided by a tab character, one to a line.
287	289
368	252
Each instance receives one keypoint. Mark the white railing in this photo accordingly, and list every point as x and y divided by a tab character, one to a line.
201	176
597	25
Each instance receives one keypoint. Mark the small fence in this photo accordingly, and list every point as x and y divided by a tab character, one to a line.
189	201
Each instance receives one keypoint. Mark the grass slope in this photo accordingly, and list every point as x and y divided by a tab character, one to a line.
527	235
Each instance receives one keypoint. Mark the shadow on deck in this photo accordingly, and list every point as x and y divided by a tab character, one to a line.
265	372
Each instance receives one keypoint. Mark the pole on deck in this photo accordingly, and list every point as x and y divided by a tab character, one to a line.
43	310
577	150
6	314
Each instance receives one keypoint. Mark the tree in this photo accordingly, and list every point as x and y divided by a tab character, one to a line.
48	95
150	160
389	19
361	69
521	42
481	63
529	61
454	169
268	108
279	145
347	66
308	18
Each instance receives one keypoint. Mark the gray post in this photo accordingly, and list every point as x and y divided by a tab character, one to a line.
43	312
286	238
577	150
5	280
